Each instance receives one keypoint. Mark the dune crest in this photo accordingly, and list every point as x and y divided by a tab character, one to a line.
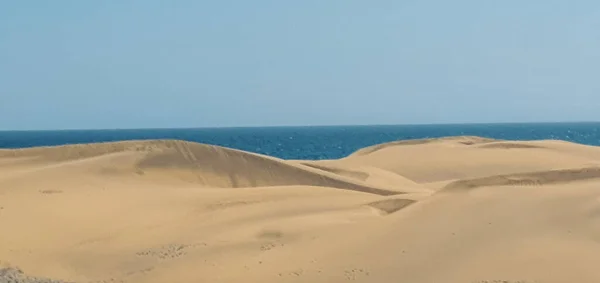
465	140
428	210
552	177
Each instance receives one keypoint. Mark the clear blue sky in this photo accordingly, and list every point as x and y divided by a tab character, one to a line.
148	63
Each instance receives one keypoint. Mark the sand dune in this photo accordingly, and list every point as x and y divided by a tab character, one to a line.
457	209
468	157
206	165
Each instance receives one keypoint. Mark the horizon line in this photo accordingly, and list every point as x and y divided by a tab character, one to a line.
302	126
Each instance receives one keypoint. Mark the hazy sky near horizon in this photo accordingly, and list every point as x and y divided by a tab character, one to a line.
148	63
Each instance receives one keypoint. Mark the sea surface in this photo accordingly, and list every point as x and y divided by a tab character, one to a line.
327	142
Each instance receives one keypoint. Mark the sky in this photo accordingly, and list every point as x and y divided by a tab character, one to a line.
74	64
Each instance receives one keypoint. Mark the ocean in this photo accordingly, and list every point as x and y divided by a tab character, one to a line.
313	143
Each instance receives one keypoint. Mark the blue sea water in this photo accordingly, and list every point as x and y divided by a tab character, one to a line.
325	142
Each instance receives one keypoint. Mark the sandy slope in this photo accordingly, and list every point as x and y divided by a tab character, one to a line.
460	209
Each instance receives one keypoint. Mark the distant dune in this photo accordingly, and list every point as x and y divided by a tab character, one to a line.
455	209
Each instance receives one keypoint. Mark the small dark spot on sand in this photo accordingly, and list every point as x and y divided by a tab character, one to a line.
49	192
271	234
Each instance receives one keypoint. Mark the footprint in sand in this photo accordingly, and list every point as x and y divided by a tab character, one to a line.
171	251
355	273
50	192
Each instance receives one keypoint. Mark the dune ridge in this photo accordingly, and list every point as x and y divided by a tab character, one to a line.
425	210
551	177
466	140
